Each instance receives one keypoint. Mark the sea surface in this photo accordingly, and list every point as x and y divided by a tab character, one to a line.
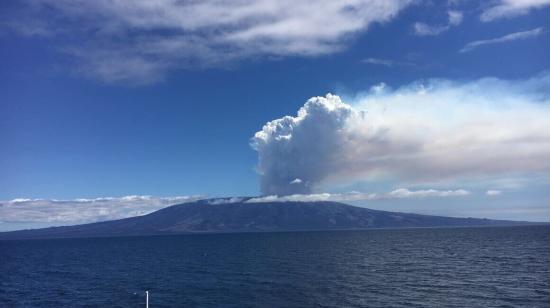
459	267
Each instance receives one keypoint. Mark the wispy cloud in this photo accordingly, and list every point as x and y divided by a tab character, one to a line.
225	200
139	41
455	18
511	8
386	62
405	193
503	39
423	29
76	211
401	193
493	192
431	132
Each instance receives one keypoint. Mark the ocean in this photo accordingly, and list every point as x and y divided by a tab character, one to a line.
445	267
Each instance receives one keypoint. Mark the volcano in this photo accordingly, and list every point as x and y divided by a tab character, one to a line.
224	215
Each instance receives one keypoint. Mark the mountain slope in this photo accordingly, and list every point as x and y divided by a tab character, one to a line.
215	216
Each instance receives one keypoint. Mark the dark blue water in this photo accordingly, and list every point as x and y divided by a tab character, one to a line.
470	267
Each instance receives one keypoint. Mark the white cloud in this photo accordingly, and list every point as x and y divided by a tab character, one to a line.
423	29
506	38
140	40
386	62
455	18
83	210
402	193
493	193
434	132
405	193
511	8
225	200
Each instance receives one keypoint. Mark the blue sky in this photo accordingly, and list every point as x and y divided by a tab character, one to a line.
99	100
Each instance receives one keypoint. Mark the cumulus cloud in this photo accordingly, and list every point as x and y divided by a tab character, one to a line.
423	29
503	39
141	40
511	8
305	147
401	193
493	193
433	132
78	211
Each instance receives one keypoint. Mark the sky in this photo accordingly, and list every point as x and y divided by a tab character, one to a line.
110	109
